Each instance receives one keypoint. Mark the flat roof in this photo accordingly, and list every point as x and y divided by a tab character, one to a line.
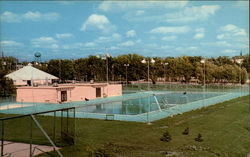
70	85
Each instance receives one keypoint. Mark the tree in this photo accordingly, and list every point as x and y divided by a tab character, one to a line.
8	63
81	69
7	87
64	69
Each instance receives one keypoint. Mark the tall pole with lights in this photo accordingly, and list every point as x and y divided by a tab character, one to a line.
239	61
126	65
144	61
203	61
148	61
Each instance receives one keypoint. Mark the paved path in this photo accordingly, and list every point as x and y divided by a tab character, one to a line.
23	149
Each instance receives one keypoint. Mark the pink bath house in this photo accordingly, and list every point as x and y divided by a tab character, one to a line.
67	92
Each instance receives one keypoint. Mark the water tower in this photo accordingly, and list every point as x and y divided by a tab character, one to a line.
37	57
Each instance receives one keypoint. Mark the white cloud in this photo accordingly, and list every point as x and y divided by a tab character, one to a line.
103	39
199	35
200	30
217	43
220	36
229	51
223	43
233	33
127	43
166	30
37	16
64	35
114	48
108	6
138	41
231	30
169	38
194	13
96	21
80	46
131	33
10	17
186	49
192	48
89	44
7	43
165	47
116	36
45	42
139	12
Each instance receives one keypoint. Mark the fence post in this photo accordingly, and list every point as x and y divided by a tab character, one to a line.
54	130
31	137
2	138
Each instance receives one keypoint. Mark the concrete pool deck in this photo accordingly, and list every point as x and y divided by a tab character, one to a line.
14	149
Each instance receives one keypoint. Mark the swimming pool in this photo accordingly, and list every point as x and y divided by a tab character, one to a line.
140	107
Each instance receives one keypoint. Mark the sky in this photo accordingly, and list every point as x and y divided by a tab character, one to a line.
74	29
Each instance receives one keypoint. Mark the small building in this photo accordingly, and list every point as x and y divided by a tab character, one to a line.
67	92
29	76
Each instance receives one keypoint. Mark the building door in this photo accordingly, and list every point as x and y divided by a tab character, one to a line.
29	82
63	96
98	92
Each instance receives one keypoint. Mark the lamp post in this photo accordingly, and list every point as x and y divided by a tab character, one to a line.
203	61
239	61
126	65
107	66
165	64
144	61
120	79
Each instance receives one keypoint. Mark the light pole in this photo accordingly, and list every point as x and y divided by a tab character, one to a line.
165	64
144	61
203	61
147	61
126	65
107	58
120	79
239	61
107	66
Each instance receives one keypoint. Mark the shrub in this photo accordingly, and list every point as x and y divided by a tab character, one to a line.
166	137
199	138
186	131
98	152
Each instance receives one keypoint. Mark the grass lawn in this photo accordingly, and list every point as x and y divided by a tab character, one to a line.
225	130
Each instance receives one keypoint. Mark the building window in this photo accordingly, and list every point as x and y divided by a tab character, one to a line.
98	92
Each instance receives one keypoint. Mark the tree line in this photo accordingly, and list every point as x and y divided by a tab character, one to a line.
183	69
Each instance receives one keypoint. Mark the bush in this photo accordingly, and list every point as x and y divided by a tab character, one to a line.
98	152
166	137
186	131
106	150
199	138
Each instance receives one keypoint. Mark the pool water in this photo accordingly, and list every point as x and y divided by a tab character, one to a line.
159	101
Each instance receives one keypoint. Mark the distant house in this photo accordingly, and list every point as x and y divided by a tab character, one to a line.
29	76
67	92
